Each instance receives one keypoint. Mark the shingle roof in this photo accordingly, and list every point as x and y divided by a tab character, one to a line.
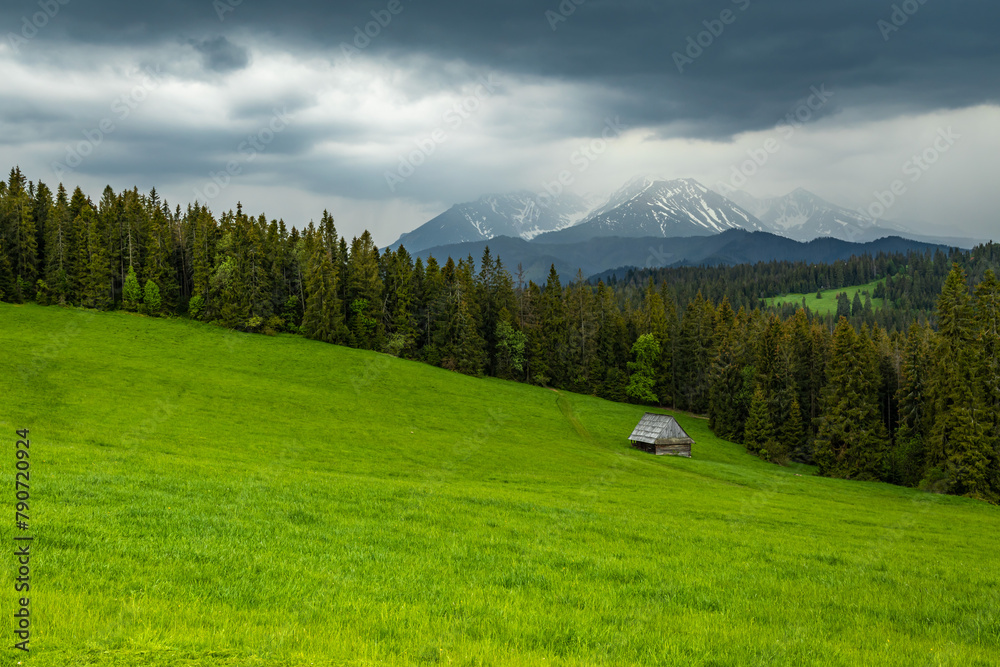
653	427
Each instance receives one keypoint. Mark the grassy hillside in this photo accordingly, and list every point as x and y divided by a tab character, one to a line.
828	304
202	497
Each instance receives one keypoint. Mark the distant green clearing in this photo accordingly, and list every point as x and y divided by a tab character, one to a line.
201	497
828	304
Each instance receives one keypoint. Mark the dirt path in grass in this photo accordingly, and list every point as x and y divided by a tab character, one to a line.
571	417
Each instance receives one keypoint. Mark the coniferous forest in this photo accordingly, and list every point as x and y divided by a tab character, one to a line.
908	393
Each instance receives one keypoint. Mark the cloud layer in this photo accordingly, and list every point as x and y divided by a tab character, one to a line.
396	109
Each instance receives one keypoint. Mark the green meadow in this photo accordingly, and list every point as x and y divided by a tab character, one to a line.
828	304
203	497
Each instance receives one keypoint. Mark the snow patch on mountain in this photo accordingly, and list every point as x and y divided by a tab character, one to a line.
518	214
804	216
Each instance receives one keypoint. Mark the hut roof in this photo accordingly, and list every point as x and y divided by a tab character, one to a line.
653	427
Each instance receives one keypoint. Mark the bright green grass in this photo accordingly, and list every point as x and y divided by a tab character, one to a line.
208	498
828	304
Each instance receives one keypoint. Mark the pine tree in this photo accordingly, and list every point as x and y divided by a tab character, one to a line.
364	294
580	333
759	435
851	441
468	346
954	309
552	321
510	348
655	320
18	229
132	292
152	304
25	247
97	278
62	253
793	432
843	305
203	228
914	408
987	322
642	371
730	393
323	317
398	295
959	452
7	287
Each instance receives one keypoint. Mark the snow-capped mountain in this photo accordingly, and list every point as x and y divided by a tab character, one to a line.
650	206
518	214
803	216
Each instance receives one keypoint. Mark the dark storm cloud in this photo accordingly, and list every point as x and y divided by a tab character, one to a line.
220	55
690	69
764	57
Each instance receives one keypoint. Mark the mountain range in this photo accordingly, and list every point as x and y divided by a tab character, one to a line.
518	214
648	206
627	228
803	216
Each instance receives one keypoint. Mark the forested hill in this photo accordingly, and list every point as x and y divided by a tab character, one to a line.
910	282
904	403
601	256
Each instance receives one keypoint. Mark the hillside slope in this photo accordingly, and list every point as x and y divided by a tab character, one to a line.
202	497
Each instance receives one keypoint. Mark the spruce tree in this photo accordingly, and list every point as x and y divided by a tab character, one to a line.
7	287
323	317
510	348
61	256
843	305
758	435
97	277
851	441
132	293
152	304
642	371
793	433
364	294
552	322
914	408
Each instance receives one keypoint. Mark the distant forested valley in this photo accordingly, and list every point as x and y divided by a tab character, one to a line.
907	392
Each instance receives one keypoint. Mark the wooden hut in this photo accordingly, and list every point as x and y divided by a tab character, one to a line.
661	435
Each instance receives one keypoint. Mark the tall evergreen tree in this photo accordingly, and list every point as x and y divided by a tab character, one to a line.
323	318
97	278
851	441
364	294
642	371
759	435
132	292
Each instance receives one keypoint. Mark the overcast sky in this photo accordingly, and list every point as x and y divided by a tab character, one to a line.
293	109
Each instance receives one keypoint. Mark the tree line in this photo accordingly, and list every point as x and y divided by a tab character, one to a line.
907	394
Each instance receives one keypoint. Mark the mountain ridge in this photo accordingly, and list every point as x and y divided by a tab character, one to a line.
600	255
650	206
